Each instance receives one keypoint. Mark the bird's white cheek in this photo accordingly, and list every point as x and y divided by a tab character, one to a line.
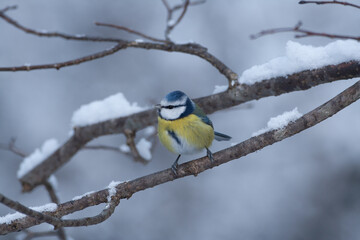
172	114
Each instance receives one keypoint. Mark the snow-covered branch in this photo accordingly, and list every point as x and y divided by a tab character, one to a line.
241	93
117	191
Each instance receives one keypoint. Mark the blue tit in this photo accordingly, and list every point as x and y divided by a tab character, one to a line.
184	128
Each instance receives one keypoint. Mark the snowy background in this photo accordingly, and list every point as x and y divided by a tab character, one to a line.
305	187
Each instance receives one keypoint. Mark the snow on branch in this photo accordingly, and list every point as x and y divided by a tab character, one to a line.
9	218
39	155
279	121
114	106
303	57
194	167
50	213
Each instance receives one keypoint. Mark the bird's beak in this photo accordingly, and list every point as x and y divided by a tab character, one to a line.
157	106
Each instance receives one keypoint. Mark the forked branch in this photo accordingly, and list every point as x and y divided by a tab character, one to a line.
303	33
330	2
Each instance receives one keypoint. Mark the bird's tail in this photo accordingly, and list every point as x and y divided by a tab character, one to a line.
221	137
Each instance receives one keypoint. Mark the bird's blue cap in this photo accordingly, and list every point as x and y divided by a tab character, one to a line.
174	96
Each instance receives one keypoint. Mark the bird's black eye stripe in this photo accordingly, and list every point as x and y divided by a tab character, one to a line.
173	106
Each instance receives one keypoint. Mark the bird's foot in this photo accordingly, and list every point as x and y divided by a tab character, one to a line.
174	168
210	155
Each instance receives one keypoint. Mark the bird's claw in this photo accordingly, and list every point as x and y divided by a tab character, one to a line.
174	168
210	155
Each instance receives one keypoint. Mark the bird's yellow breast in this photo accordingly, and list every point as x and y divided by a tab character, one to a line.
193	134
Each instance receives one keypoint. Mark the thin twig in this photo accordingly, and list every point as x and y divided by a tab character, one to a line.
52	193
167	6
130	31
170	26
132	146
2	11
185	7
194	167
55	199
304	33
12	148
104	147
30	235
59	65
45	33
331	2
130	141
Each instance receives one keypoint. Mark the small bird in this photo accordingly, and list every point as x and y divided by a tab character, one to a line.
184	128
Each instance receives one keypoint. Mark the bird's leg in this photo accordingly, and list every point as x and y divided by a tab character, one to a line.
209	155
175	164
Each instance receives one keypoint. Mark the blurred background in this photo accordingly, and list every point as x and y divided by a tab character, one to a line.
305	187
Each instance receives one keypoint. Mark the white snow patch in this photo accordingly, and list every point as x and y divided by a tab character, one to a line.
124	148
71	133
81	196
139	40
112	189
149	131
111	107
219	89
39	155
53	181
171	22
144	148
50	207
303	57
279	121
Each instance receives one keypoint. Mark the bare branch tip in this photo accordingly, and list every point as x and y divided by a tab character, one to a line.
8	8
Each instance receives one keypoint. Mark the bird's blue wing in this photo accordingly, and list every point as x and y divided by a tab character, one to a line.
218	136
199	112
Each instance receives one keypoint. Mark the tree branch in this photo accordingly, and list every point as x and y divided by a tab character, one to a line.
104	147
194	167
55	199
304	33
130	141
189	48
240	94
45	33
49	217
331	2
31	235
39	216
130	31
170	26
59	65
12	148
2	11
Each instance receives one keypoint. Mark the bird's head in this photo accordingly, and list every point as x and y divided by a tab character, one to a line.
175	105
